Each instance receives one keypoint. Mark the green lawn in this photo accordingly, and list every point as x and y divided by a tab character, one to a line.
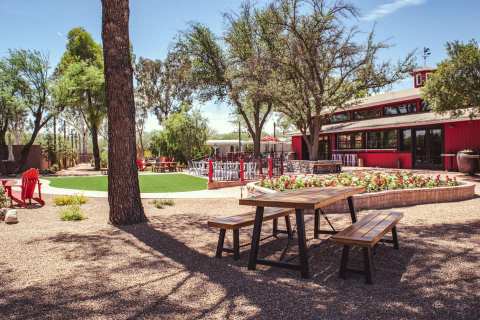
148	183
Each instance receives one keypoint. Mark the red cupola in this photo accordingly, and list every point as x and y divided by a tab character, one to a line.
420	76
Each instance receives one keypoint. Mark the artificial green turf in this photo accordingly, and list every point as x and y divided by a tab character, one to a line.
148	183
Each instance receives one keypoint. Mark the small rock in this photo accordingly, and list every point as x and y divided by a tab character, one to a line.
11	217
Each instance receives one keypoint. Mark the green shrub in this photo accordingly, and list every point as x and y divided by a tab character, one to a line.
77	199
161	203
3	198
72	213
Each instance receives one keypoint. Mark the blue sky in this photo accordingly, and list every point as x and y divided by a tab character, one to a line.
408	24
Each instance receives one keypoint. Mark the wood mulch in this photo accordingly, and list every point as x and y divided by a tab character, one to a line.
165	269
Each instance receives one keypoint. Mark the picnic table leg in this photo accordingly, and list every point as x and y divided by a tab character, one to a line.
289	227
316	227
236	244
275	227
221	240
257	229
395	238
353	215
302	243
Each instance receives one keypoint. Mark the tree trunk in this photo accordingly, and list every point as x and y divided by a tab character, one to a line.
123	188
96	150
3	146
26	151
256	146
54	160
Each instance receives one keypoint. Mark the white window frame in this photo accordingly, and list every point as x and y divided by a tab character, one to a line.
418	79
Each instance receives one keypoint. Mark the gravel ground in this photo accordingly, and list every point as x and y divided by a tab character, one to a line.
165	269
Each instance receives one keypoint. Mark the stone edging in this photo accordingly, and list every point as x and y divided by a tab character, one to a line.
396	198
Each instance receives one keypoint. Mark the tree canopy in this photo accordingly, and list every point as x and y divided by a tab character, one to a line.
455	85
183	136
80	75
320	62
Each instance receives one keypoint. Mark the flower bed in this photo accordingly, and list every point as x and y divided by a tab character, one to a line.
383	190
372	181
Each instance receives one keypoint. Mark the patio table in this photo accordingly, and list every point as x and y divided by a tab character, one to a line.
309	198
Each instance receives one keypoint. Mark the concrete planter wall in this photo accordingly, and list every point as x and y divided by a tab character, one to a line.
393	198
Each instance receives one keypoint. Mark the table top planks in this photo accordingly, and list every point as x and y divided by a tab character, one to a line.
308	198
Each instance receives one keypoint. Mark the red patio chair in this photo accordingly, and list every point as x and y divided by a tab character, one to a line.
141	165
30	179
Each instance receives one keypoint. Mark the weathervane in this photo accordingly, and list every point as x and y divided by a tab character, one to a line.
426	53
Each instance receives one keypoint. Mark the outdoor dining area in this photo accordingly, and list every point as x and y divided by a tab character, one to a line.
365	233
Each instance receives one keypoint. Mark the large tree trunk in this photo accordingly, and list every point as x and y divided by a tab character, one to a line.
256	145
54	160
26	151
3	145
96	150
123	188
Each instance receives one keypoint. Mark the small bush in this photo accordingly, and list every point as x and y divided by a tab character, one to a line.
3	198
77	199
161	203
72	213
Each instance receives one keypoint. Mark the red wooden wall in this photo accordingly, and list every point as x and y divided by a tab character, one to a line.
297	146
460	135
387	159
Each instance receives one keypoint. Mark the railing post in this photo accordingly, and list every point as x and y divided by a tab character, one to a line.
242	173
260	169
210	170
281	165
270	166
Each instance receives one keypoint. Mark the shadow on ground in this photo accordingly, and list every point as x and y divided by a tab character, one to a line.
165	269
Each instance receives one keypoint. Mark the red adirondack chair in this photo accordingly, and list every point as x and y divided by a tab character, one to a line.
141	165
30	179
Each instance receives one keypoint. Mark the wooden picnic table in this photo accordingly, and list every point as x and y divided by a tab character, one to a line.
309	198
163	165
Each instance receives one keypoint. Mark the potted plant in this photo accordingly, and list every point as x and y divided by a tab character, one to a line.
466	162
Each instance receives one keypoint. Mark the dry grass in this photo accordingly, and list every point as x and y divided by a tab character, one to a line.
165	269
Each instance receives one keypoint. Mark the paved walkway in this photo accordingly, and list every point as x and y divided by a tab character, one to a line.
234	192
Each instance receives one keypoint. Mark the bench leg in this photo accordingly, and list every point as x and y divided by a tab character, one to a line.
344	262
289	227
221	240
368	265
236	244
316	227
275	227
395	238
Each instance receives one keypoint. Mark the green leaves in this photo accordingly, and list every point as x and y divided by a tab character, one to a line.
183	137
455	85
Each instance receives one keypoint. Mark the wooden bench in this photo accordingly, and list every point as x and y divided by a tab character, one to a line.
366	233
104	171
332	166
236	222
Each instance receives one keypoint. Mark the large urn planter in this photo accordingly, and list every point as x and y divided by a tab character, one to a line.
467	162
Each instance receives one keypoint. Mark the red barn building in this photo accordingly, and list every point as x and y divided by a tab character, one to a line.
395	129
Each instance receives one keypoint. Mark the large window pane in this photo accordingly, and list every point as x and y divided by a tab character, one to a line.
367	114
425	107
350	141
406	143
339	117
399	109
382	139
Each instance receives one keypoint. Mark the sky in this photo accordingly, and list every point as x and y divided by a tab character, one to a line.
407	24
